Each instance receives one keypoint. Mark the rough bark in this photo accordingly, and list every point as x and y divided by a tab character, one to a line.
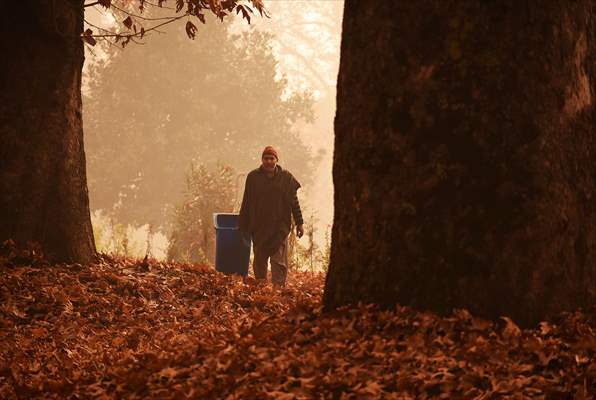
43	187
465	157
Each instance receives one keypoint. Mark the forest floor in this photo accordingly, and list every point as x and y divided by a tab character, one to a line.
127	329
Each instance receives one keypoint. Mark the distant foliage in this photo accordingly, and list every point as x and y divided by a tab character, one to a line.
306	253
208	191
117	239
150	110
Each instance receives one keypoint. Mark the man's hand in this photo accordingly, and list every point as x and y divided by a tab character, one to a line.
246	237
299	231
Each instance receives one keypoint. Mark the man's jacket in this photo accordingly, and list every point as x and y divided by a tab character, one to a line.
267	207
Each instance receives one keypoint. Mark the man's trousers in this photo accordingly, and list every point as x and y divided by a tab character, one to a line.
279	263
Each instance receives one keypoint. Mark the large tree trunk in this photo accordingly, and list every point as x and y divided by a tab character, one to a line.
465	157
43	187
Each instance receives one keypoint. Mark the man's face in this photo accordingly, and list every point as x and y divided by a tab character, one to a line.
269	162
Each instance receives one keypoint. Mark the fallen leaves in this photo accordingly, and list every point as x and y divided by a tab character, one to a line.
124	329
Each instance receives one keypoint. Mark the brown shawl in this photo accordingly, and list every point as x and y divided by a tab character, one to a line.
267	206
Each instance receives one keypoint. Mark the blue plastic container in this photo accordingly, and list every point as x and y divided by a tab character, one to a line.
232	251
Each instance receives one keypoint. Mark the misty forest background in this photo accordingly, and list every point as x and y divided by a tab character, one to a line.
187	119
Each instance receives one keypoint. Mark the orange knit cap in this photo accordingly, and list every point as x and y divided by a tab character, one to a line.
269	150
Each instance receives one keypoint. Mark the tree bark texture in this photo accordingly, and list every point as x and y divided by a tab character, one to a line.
465	157
43	187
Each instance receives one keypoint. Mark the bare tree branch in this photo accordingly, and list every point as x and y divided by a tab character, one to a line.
156	5
140	16
88	35
99	27
322	81
137	34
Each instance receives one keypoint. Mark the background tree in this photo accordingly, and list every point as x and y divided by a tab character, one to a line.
306	36
43	188
218	99
464	162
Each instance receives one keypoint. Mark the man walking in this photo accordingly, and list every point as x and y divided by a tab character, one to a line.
267	206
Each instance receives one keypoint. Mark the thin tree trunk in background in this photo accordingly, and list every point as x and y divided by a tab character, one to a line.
43	187
465	157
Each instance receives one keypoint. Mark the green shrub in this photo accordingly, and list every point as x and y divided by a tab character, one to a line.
208	191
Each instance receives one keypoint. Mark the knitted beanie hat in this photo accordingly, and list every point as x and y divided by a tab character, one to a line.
269	150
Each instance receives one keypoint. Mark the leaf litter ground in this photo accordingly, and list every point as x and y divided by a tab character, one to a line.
130	329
